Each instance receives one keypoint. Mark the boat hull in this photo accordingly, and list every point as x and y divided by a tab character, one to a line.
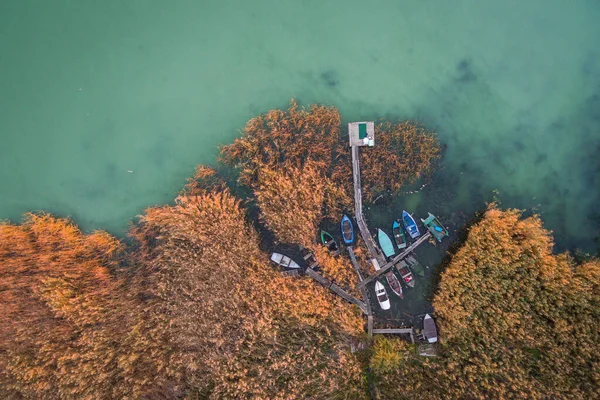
399	237
386	243
433	224
410	225
394	284
429	329
347	230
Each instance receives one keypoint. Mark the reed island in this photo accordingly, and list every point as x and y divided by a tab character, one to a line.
267	280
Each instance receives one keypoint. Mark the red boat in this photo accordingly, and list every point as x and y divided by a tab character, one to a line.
405	273
394	283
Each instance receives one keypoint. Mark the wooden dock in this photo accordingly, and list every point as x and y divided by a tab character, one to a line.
337	290
396	331
374	251
397	258
363	291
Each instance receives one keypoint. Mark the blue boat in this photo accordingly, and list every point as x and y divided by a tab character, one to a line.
347	230
386	243
410	225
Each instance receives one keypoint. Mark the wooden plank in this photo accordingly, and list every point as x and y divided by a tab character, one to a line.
399	257
370	325
354	262
393	331
363	290
337	290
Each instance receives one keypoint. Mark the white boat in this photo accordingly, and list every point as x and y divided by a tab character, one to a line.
284	261
382	297
429	329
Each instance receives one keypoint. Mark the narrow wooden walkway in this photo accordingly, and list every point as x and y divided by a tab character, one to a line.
337	290
397	258
396	331
362	225
363	291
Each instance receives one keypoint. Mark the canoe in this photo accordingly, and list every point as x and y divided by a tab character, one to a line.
329	242
415	265
398	235
410	225
386	243
435	227
394	283
284	261
347	230
382	297
405	273
429	329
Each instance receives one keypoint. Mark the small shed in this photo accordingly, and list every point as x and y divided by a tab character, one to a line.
361	133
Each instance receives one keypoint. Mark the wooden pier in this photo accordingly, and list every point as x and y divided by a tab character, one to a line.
363	291
396	331
374	251
396	259
308	257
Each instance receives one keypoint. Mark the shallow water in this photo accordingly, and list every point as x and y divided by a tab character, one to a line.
105	107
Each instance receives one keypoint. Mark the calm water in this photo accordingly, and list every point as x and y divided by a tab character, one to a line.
105	107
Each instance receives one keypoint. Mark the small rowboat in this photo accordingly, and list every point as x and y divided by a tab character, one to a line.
329	242
284	261
394	283
435	227
415	265
410	225
405	273
386	243
382	297
429	329
398	235
347	230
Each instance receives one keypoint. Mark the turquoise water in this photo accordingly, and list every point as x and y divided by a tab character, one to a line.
90	91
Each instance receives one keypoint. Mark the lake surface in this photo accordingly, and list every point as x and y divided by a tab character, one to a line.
106	107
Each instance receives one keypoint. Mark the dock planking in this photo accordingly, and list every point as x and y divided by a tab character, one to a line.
337	290
399	257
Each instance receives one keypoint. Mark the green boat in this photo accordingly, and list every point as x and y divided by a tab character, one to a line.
386	243
415	265
435	227
398	235
329	242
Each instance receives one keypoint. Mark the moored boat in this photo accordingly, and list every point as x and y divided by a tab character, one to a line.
382	297
329	242
394	283
410	225
347	230
386	243
415	265
284	261
435	227
429	329
405	273
399	237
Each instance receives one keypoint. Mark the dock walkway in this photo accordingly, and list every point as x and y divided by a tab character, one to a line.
374	251
396	259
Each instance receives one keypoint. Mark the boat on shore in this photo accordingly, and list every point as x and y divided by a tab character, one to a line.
329	242
394	283
410	225
399	237
386	243
429	329
347	230
435	227
382	297
405	273
284	261
415	265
